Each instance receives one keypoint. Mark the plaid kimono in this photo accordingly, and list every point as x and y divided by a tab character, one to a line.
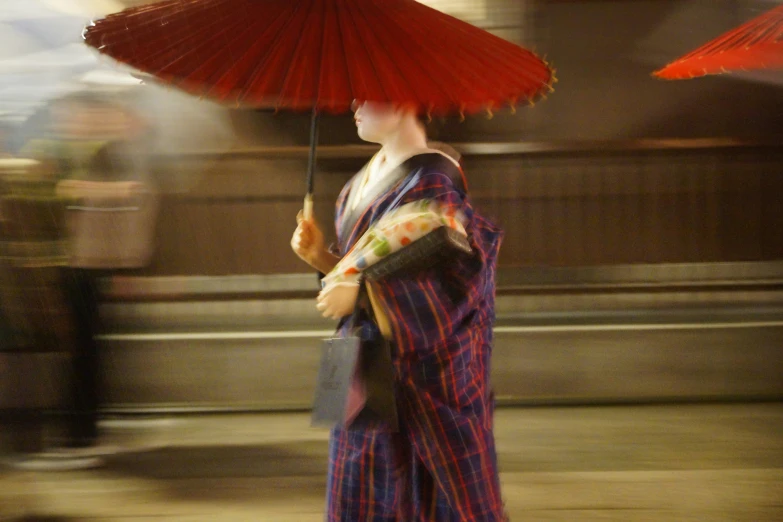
441	466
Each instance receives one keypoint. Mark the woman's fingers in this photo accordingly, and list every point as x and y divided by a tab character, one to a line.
326	310
302	239
338	300
306	235
326	306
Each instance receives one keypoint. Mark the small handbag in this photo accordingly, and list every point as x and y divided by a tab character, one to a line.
355	384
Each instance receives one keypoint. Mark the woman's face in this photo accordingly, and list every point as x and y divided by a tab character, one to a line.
376	121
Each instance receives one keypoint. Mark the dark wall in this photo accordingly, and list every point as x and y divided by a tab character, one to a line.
557	210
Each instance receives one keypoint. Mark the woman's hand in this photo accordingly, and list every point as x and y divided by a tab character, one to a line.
338	300
308	243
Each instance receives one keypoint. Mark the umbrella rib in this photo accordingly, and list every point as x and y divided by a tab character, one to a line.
115	22
344	56
298	50
449	94
259	70
248	28
757	33
471	61
401	74
319	88
320	65
356	25
101	26
238	24
183	58
501	49
765	33
455	77
251	49
730	41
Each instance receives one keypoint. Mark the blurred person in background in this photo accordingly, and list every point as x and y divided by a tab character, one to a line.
98	148
38	318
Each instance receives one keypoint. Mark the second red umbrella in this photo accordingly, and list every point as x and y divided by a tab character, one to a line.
757	44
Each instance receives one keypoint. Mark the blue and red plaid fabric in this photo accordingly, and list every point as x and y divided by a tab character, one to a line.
442	465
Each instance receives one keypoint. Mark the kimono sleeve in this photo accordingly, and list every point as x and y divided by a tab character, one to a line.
427	308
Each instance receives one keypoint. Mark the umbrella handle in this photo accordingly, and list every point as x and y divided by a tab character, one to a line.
308	202
307	213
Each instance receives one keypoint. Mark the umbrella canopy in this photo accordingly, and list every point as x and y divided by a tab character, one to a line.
757	44
322	54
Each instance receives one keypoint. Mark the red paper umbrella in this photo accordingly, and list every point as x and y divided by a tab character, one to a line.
757	44
321	55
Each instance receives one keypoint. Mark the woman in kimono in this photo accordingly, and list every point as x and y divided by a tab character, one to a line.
441	464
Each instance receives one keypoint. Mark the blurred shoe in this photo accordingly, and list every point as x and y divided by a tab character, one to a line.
98	450
42	462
